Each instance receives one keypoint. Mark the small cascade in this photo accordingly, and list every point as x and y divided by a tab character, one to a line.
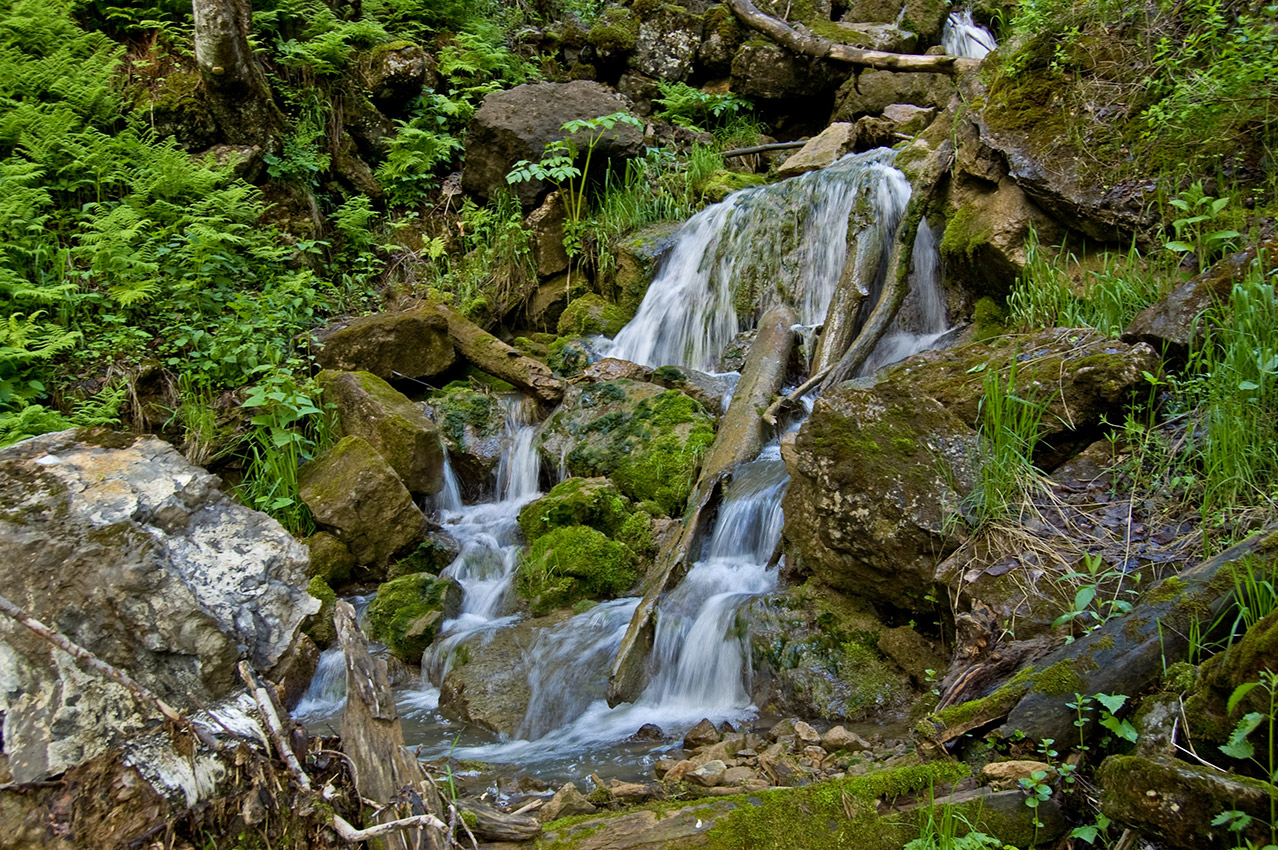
490	541
326	694
783	242
921	320
961	36
449	499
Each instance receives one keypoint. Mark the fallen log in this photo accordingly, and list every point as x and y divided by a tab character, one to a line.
774	146
740	438
492	825
821	48
500	360
373	740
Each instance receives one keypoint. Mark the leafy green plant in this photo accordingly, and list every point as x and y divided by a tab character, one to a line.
1091	607
681	104
1240	747
1193	229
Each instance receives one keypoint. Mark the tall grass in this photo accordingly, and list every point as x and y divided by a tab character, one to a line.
1008	434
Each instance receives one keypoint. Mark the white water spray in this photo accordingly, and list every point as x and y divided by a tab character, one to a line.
961	36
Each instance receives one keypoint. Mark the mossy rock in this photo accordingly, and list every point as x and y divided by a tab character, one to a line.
649	441
989	318
330	559
407	612
432	555
319	626
567	356
723	183
613	32
471	422
637	261
593	502
591	315
572	563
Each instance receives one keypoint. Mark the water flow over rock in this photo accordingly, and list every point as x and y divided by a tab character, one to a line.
782	243
962	37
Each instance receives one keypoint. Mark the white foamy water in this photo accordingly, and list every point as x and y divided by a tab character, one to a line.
783	242
961	36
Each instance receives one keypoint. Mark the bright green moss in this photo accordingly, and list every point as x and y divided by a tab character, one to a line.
965	232
592	502
319	626
408	610
590	315
571	563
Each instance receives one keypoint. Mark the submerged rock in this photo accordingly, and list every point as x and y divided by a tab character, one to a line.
138	556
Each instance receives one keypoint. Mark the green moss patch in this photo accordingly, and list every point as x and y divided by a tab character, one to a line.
593	502
572	563
408	610
590	315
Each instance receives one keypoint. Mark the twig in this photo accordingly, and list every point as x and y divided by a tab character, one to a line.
266	705
351	835
774	146
770	415
97	665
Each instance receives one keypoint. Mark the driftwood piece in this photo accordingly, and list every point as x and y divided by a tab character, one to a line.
822	48
374	742
856	281
774	146
91	662
1128	653
740	437
491	825
500	360
271	717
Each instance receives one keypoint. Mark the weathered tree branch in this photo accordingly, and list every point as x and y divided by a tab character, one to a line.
500	360
821	48
351	835
270	716
775	146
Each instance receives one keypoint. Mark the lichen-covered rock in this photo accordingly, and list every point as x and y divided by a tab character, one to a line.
925	17
649	441
354	491
471	423
814	653
667	43
766	71
719	41
571	563
518	123
133	553
613	369
407	612
872	91
594	502
877	474
821	150
591	315
1175	803
370	408
412	344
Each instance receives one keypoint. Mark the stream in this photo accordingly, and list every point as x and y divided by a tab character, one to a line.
793	231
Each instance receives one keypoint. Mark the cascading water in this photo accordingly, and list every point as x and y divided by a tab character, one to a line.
785	241
961	36
921	320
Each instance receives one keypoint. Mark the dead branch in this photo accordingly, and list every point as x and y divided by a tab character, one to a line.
270	716
821	48
774	146
91	662
351	835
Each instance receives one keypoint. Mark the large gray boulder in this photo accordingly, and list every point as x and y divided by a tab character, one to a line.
412	344
518	123
770	72
130	551
667	43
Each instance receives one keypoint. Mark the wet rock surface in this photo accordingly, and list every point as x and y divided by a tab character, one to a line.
130	551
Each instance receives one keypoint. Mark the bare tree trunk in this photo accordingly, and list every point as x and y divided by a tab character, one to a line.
500	360
239	97
820	48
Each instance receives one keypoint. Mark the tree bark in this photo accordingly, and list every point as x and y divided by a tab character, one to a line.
500	360
821	48
739	440
239	97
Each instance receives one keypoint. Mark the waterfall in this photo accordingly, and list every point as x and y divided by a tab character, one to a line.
783	242
921	320
962	37
449	499
325	696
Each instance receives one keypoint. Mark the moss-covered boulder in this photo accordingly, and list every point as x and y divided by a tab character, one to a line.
590	315
567	356
667	41
571	563
472	423
330	559
815	654
407	612
432	555
1207	712
370	408
594	502
319	626
352	490
723	183
877	476
648	440
414	343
